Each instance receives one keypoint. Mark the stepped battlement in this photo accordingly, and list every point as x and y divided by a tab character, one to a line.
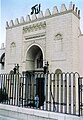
28	19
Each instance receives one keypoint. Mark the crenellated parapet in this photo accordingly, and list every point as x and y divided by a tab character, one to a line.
48	13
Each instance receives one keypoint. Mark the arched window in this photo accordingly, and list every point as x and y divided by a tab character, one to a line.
58	42
58	71
12	50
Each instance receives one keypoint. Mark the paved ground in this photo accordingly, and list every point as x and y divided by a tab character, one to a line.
6	118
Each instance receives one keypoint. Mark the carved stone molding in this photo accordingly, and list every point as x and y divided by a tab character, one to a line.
36	36
34	27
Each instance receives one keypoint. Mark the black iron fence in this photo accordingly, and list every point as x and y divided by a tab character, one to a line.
62	92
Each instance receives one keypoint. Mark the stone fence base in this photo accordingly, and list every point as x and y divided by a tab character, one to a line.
20	113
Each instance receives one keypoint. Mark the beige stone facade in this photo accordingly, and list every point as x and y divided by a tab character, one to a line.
53	37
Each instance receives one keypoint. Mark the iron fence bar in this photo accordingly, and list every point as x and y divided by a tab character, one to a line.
54	108
61	91
18	77
79	96
53	100
8	90
50	98
46	95
30	89
69	93
33	90
66	93
26	86
12	86
57	92
22	89
74	95
14	90
6	87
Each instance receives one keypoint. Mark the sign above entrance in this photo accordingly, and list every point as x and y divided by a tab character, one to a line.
35	9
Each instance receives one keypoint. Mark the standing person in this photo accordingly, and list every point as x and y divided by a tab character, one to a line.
36	101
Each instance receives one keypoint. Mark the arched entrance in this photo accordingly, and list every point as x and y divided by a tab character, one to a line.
34	58
35	83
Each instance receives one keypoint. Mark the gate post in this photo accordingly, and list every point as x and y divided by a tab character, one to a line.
46	77
24	91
